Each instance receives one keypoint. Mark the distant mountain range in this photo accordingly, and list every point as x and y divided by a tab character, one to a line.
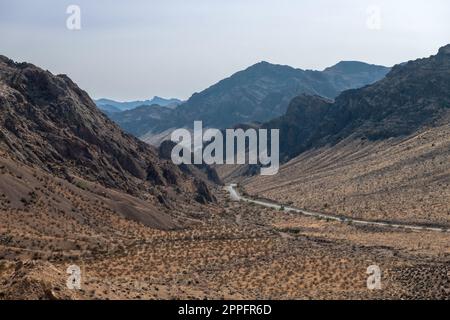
258	93
112	106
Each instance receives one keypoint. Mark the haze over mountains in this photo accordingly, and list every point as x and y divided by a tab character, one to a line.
259	93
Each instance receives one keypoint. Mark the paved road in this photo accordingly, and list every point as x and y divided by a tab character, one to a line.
235	196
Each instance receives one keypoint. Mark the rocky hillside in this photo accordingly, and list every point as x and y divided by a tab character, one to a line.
412	95
52	127
259	93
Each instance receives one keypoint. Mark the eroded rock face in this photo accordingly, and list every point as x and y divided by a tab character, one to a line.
300	123
47	121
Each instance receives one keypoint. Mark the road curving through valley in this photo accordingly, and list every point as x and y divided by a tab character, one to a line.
235	196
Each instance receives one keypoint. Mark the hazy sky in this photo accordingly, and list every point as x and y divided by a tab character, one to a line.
139	48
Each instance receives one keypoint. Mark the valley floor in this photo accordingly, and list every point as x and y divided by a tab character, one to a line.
240	251
404	180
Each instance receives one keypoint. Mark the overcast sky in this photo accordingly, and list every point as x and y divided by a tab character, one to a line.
136	49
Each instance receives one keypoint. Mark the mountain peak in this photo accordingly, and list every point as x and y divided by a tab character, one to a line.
343	63
267	67
4	59
9	62
445	50
261	65
352	67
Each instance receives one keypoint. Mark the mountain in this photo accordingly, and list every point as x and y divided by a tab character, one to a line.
263	92
259	93
53	136
354	74
171	103
114	106
136	121
108	109
411	96
377	153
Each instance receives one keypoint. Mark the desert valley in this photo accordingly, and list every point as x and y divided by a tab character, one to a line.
92	185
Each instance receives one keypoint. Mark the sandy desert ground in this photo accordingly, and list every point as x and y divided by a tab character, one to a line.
242	251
